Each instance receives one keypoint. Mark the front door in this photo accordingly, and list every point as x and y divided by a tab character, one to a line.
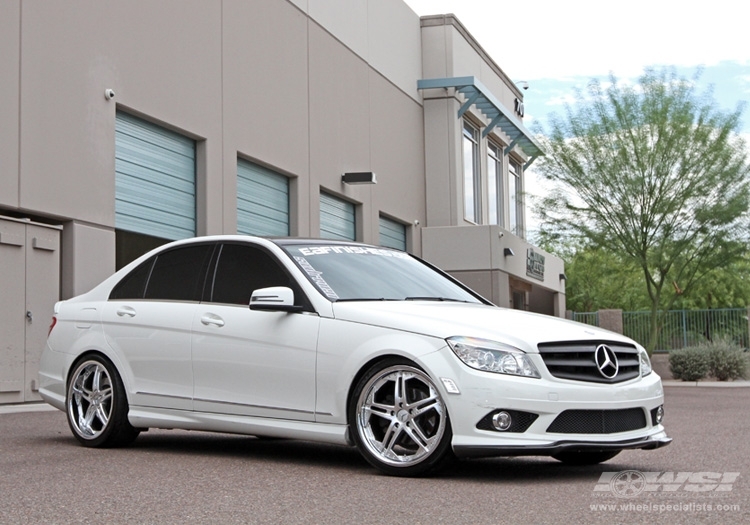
248	362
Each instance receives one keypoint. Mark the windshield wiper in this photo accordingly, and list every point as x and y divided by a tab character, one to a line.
351	299
426	298
449	299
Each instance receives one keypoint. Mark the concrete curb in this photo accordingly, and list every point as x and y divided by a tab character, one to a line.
26	407
710	384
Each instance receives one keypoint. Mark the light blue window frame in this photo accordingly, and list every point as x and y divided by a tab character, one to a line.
392	234
262	201
155	190
337	218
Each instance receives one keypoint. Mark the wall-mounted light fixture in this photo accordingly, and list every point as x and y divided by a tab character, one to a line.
508	252
563	277
359	177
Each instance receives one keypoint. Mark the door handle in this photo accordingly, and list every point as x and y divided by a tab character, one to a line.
213	319
126	310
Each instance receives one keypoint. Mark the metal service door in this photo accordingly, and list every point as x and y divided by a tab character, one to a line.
29	288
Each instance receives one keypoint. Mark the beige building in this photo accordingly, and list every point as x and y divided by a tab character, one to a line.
128	124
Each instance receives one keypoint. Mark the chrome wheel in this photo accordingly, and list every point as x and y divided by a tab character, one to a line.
90	399
401	420
97	407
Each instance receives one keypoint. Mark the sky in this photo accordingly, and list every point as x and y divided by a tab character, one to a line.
558	46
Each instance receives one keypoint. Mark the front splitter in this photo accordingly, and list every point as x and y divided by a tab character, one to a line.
471	451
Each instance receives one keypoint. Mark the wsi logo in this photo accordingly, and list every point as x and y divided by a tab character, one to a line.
631	483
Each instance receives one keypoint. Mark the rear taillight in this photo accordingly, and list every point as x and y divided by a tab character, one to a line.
52	325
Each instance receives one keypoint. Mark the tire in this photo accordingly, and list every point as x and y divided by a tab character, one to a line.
97	406
399	421
586	458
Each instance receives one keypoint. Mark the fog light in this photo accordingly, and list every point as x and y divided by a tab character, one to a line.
659	415
501	421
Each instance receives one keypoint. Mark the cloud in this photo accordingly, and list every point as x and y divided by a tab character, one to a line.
560	100
592	38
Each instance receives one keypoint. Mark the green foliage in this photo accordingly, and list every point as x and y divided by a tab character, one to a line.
689	364
654	174
722	288
722	359
599	279
726	361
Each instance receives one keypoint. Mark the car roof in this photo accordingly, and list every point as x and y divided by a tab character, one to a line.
279	241
291	241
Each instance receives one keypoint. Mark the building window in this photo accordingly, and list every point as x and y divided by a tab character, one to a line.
392	234
515	198
495	183
262	201
472	175
337	218
519	300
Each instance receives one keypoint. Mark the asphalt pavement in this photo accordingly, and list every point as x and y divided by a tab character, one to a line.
197	477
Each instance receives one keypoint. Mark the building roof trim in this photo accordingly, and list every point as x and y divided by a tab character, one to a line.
453	21
476	94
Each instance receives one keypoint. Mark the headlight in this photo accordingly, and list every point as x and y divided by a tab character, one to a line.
490	356
645	363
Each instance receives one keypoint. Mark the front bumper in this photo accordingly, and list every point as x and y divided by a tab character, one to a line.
483	393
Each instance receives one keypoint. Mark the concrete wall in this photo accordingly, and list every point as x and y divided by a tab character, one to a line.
450	51
10	42
476	256
474	253
310	89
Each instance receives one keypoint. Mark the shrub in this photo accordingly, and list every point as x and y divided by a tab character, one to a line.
689	364
726	361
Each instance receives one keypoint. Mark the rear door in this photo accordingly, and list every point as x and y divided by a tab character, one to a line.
147	321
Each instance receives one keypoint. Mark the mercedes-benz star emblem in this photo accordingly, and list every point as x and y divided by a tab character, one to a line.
606	361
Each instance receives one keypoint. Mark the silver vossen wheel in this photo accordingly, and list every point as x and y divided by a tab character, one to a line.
90	399
401	420
96	405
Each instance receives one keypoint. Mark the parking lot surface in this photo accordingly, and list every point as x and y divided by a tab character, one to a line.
178	477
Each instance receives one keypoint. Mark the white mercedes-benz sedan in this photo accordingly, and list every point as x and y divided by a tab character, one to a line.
342	343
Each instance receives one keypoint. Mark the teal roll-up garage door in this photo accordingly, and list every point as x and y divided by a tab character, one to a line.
154	179
337	218
392	234
262	201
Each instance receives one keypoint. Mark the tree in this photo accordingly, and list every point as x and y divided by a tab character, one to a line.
655	173
599	279
724	288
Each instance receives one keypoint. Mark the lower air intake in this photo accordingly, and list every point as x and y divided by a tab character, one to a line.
598	421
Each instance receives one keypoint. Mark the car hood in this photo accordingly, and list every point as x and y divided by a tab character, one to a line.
520	329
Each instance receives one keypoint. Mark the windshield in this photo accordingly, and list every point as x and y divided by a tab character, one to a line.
350	273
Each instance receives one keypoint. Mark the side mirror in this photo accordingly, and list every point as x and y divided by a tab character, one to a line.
274	299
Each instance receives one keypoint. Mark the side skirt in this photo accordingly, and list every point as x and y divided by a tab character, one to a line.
146	417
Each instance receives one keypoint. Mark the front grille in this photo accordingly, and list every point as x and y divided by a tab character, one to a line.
576	360
598	421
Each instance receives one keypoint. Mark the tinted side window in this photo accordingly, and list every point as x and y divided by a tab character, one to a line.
242	269
179	274
133	285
